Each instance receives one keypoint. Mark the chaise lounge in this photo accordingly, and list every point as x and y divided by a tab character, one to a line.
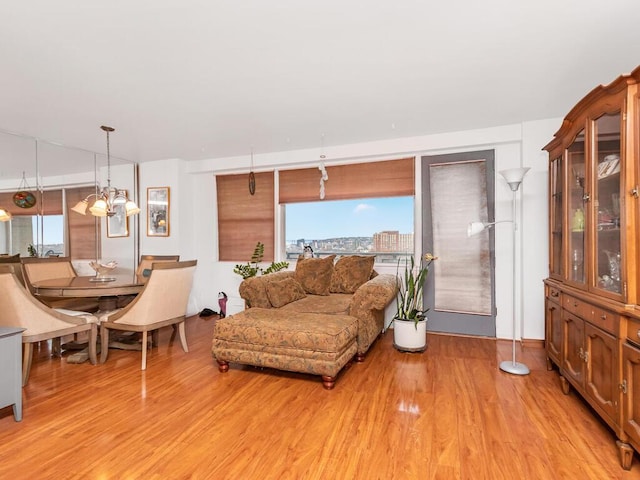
313	320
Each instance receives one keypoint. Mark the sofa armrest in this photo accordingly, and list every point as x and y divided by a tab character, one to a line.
375	294
368	304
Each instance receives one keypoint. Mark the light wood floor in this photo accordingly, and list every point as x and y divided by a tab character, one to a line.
448	413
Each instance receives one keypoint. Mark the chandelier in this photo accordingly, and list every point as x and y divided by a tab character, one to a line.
109	197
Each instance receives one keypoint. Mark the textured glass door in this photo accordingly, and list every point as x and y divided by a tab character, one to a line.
457	189
577	198
607	199
556	187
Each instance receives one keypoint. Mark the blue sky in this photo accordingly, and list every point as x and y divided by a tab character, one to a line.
52	228
348	218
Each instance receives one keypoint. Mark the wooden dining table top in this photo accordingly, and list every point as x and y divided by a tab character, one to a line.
122	284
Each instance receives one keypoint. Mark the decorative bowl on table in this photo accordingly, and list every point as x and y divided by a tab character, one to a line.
103	270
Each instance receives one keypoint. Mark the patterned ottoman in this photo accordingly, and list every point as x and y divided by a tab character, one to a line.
315	343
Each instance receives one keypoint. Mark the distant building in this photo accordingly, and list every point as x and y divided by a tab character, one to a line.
392	241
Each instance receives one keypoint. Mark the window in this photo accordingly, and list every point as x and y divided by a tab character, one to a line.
368	208
373	190
373	226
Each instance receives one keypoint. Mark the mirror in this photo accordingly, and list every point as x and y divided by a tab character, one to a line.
60	176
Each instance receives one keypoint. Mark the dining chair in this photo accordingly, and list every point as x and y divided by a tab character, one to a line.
20	309
37	269
146	261
163	301
5	258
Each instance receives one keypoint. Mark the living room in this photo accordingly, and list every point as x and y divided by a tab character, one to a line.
189	153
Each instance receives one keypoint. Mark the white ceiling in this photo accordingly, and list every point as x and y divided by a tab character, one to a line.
212	79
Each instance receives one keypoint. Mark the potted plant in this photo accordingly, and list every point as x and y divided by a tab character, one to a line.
410	320
253	268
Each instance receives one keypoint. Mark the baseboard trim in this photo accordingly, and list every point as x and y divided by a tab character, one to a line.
524	343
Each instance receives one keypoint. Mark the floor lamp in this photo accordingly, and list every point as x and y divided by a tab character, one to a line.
514	178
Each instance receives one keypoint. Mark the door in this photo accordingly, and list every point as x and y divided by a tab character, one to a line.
573	348
554	331
631	390
458	189
601	381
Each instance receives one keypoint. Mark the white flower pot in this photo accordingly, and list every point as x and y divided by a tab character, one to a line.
407	338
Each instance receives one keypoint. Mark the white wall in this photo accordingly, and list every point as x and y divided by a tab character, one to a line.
194	222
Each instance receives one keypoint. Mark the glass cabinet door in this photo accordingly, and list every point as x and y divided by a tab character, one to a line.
607	202
576	214
556	185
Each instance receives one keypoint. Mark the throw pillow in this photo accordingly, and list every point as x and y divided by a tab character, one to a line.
284	291
350	272
314	274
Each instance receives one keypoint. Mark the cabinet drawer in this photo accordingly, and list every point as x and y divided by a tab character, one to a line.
577	307
633	330
604	319
554	295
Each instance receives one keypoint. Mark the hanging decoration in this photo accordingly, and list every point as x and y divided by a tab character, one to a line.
24	198
324	176
252	176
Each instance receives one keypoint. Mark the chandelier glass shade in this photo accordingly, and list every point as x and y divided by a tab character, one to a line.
109	197
5	216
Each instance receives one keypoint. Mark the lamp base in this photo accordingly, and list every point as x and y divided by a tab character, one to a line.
515	368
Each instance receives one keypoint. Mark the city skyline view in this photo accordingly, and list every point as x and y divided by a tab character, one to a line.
348	218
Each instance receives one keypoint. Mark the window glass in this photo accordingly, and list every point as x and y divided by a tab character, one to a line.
373	226
22	231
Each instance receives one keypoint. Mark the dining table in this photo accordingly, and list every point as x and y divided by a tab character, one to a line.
107	289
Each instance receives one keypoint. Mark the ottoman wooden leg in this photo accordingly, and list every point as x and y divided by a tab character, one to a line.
328	382
223	366
359	357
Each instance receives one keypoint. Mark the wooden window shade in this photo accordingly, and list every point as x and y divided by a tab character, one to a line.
49	202
83	229
390	178
245	219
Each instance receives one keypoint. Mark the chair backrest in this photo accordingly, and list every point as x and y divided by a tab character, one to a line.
10	258
18	308
165	296
37	269
147	261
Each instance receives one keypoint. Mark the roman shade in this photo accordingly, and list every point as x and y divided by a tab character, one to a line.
389	178
245	219
84	230
48	202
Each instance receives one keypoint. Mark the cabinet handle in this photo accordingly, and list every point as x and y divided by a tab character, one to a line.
603	316
554	293
623	387
581	353
638	333
586	197
575	304
634	191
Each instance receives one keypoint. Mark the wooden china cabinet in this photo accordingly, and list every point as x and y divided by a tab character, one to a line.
592	312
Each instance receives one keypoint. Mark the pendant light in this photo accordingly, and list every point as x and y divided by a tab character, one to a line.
109	197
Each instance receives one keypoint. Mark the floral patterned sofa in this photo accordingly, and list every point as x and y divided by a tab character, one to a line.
312	320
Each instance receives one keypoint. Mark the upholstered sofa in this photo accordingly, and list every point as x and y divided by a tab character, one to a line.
312	320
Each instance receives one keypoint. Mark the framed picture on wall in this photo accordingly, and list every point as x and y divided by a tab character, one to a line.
118	224
158	211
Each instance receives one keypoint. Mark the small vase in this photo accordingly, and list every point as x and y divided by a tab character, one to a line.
409	337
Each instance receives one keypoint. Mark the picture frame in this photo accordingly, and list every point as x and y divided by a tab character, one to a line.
158	203
118	224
